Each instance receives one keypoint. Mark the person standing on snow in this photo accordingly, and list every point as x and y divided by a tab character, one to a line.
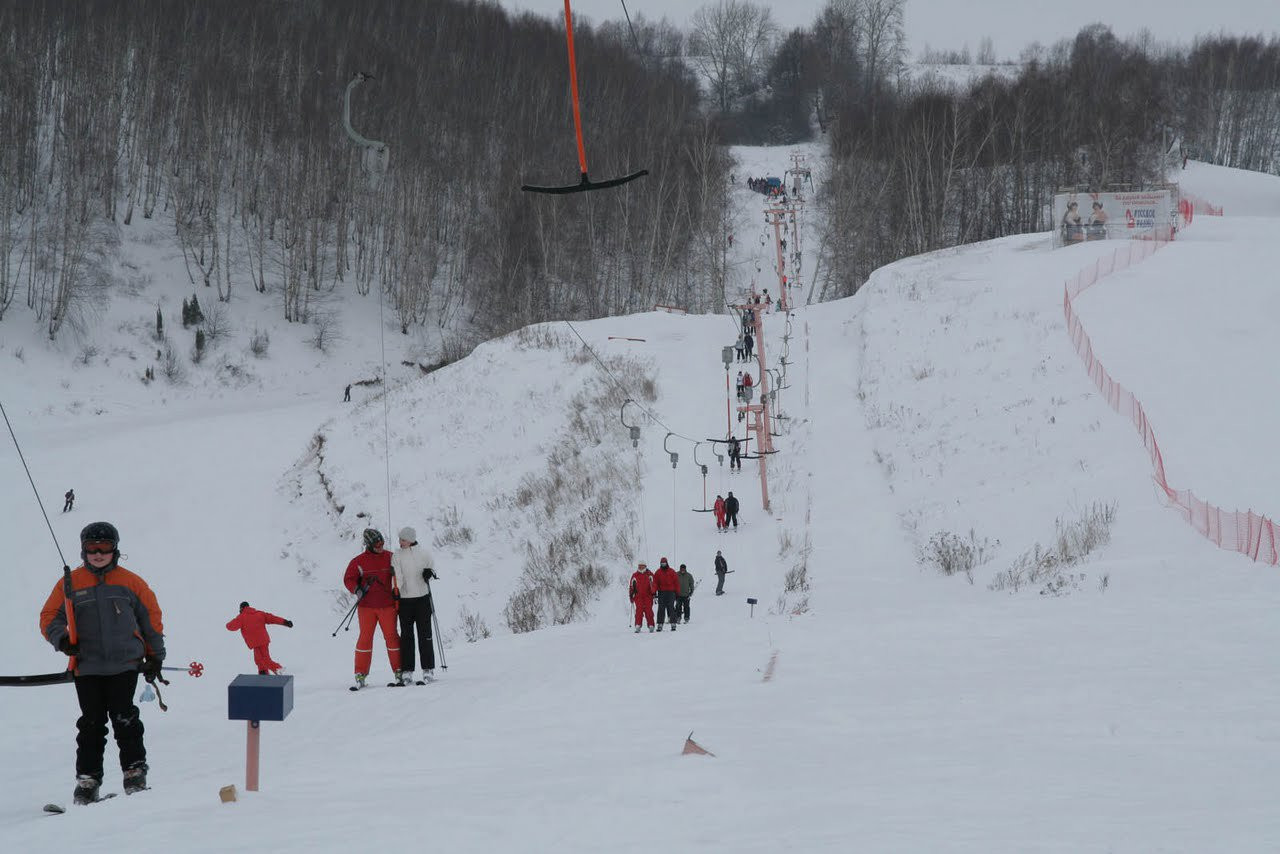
667	585
369	576
722	569
731	510
252	625
413	568
68	500
719	508
115	631
683	594
641	591
735	454
748	345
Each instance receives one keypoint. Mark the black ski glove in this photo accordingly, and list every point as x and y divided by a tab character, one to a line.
395	595
151	667
66	647
428	574
288	624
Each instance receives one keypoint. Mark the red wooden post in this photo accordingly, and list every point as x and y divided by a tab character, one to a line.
251	757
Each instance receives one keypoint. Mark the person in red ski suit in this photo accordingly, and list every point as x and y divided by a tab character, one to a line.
252	625
370	572
667	585
642	591
719	507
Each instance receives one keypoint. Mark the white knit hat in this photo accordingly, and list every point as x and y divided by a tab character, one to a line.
409	535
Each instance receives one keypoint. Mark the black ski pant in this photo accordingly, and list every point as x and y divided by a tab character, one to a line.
682	608
666	606
731	516
720	583
415	614
103	697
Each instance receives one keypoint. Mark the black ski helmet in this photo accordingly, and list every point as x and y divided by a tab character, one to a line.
244	605
100	532
372	537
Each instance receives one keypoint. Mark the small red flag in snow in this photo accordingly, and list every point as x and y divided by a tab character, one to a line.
691	746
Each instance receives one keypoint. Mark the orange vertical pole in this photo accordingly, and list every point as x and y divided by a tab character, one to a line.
573	86
251	757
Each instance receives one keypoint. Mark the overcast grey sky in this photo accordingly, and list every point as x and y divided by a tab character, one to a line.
1012	24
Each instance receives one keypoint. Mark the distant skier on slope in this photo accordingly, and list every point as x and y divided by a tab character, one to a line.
683	594
667	585
719	508
369	576
641	591
722	569
252	626
731	510
68	500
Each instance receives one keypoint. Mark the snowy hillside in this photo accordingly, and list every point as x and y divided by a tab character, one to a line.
877	706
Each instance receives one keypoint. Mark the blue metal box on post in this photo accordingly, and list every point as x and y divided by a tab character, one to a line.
255	699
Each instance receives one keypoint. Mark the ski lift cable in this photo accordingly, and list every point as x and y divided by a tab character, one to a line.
380	148
618	384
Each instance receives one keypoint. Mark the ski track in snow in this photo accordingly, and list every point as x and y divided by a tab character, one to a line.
906	711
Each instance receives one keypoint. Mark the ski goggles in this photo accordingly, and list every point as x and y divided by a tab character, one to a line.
99	547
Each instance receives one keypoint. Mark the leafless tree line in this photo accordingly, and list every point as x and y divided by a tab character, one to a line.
918	171
225	119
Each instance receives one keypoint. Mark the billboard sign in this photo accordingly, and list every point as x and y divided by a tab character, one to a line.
1099	216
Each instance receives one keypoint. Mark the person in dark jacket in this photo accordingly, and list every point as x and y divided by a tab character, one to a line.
748	345
369	576
683	594
735	454
114	630
667	585
252	625
68	500
731	510
641	593
722	569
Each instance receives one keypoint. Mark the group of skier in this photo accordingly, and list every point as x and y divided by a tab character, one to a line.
388	586
669	588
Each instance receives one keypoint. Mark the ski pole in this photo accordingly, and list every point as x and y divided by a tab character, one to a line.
345	622
436	622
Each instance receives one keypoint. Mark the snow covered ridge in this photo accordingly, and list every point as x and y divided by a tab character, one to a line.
512	459
1247	532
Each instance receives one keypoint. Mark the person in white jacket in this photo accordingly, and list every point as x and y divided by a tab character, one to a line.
413	568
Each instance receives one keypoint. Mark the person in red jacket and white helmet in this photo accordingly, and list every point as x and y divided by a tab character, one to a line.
370	577
252	625
667	584
641	590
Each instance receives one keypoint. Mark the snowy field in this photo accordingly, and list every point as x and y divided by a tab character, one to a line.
905	710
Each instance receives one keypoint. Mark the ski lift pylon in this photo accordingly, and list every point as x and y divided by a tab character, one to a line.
586	183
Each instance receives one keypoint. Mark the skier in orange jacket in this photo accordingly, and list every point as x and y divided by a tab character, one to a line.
252	625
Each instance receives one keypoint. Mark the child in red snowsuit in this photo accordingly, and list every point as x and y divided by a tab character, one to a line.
252	625
719	508
642	592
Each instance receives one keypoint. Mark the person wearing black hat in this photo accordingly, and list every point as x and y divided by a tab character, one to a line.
252	625
369	576
114	631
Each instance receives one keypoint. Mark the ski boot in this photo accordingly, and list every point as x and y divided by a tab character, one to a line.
360	677
637	630
651	629
135	778
86	789
659	626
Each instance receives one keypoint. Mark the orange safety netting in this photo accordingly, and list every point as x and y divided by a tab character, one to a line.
1245	532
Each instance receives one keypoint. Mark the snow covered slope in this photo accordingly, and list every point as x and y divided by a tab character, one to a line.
902	710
